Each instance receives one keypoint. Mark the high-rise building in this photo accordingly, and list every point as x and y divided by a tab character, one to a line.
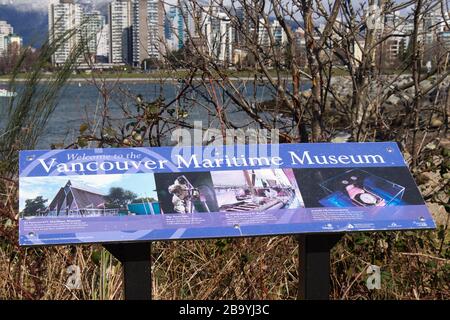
180	20
249	21
10	43
279	34
239	32
394	31
103	44
64	16
432	25
263	34
93	23
120	35
5	30
175	35
219	34
392	21
13	42
2	44
148	30
444	39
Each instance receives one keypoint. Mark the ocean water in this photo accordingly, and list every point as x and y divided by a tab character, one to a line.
81	101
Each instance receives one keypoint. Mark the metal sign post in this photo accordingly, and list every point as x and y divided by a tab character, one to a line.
314	265
136	263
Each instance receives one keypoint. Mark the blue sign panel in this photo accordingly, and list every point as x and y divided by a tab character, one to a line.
145	194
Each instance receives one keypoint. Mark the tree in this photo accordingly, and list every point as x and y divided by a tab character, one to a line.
119	197
146	199
151	64
178	58
323	66
34	206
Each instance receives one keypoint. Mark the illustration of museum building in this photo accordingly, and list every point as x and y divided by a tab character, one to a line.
78	201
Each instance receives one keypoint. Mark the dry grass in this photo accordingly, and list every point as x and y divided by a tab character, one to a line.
253	268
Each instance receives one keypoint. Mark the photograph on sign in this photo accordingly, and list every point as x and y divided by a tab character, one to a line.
256	190
361	187
88	196
228	191
146	194
186	193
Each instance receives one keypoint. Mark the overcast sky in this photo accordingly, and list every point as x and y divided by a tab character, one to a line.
42	5
36	4
27	4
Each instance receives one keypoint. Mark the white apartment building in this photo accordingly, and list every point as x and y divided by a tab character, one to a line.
103	42
278	33
11	42
93	23
276	30
5	30
2	44
120	36
433	23
64	15
218	31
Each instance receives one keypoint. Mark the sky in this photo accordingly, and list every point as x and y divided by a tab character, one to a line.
141	184
27	5
237	178
40	5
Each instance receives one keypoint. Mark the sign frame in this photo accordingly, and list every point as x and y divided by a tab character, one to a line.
348	188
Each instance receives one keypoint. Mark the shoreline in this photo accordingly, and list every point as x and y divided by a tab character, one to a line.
144	80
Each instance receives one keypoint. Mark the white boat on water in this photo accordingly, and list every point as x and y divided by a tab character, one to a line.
7	94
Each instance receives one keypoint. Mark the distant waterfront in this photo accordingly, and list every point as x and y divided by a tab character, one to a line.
146	80
163	75
80	100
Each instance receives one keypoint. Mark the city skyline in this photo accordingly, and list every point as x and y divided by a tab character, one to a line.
8	38
132	32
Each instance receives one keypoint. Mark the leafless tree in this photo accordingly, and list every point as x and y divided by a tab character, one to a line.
339	85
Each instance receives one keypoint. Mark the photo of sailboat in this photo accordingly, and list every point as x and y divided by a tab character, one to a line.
256	190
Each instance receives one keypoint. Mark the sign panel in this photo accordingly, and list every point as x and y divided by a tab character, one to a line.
144	194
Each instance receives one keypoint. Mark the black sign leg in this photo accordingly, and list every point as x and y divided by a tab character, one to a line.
314	265
136	263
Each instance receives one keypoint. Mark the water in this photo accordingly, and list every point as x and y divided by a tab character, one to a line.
81	101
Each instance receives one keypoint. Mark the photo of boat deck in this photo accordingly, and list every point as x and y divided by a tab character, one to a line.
256	190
